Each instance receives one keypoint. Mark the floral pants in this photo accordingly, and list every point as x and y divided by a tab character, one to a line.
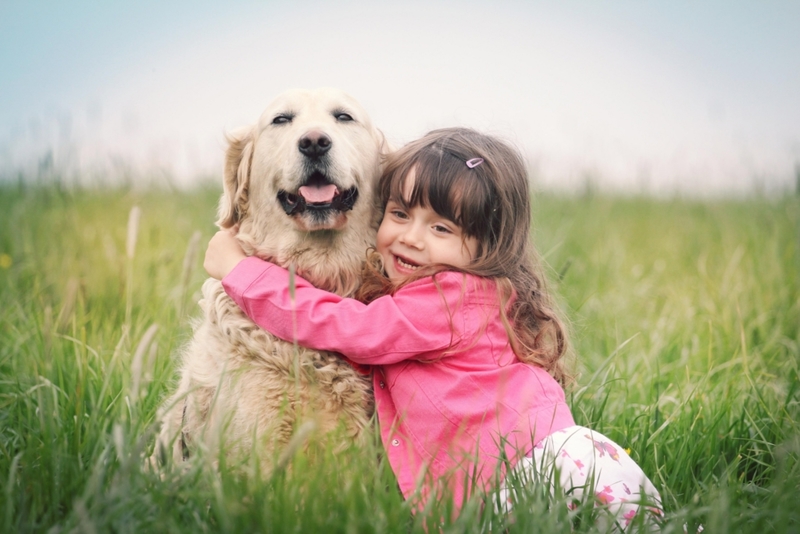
580	460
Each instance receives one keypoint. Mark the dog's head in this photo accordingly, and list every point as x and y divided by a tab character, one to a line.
307	169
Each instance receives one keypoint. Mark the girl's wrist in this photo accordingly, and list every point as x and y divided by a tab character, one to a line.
231	264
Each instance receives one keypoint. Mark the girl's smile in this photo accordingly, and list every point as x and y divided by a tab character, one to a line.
416	236
403	264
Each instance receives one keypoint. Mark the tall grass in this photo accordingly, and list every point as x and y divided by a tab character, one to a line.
685	321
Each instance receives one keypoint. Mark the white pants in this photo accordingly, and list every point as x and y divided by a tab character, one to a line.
579	460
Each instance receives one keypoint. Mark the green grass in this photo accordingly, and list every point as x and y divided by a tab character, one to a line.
685	319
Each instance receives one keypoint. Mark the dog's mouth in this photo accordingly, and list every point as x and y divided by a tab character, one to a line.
317	195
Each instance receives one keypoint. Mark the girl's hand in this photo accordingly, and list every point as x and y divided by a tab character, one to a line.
223	254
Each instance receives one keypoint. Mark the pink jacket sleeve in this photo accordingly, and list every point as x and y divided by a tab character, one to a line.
413	323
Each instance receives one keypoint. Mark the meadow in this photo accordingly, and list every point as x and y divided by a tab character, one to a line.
685	323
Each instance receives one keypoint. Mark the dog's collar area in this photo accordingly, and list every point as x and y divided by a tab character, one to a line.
294	204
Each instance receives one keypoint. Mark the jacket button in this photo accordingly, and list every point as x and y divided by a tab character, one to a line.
395	442
382	384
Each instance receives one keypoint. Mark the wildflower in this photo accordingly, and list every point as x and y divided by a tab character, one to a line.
5	261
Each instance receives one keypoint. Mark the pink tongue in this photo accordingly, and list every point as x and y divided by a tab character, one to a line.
319	195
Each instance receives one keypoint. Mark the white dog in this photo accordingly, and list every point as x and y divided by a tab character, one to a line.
300	186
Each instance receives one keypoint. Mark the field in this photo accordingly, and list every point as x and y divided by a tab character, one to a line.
685	321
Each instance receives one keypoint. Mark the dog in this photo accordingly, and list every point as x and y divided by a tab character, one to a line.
300	186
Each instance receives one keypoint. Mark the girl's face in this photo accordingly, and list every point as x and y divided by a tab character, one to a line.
410	238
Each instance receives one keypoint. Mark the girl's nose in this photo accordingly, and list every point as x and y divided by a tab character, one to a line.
412	237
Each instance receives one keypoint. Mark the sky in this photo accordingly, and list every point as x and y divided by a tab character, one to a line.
659	97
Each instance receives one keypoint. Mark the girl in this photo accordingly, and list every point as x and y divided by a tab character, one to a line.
466	344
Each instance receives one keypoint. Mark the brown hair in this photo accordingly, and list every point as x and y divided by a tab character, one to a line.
490	202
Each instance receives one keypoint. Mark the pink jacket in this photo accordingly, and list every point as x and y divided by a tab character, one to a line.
452	398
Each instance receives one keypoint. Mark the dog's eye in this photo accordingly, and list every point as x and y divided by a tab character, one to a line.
342	117
282	119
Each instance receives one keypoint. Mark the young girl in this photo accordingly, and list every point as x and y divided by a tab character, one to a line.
466	344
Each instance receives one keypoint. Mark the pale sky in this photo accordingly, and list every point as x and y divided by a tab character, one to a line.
658	96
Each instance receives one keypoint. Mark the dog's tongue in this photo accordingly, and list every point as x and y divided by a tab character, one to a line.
318	194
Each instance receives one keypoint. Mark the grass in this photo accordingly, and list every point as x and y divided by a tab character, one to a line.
686	322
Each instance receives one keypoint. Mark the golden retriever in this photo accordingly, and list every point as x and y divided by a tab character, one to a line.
299	184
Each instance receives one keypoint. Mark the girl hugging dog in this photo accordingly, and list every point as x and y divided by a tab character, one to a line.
466	346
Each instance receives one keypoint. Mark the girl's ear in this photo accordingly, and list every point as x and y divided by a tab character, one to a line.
236	178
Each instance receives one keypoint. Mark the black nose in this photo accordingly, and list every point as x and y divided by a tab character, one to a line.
314	144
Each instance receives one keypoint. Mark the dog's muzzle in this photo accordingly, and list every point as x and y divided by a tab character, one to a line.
294	204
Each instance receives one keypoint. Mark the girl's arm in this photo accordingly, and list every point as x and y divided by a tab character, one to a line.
413	322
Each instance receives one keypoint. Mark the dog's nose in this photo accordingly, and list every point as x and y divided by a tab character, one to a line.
314	144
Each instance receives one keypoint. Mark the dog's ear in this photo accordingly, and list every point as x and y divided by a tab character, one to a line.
236	180
386	147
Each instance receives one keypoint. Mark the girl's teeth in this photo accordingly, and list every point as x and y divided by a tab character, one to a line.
406	264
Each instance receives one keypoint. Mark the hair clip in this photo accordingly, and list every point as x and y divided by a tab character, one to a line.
474	162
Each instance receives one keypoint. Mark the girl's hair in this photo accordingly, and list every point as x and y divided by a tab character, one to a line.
489	201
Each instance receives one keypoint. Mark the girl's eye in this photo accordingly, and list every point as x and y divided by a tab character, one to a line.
400	214
442	229
282	119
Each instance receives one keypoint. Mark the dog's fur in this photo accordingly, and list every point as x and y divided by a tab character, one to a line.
236	380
